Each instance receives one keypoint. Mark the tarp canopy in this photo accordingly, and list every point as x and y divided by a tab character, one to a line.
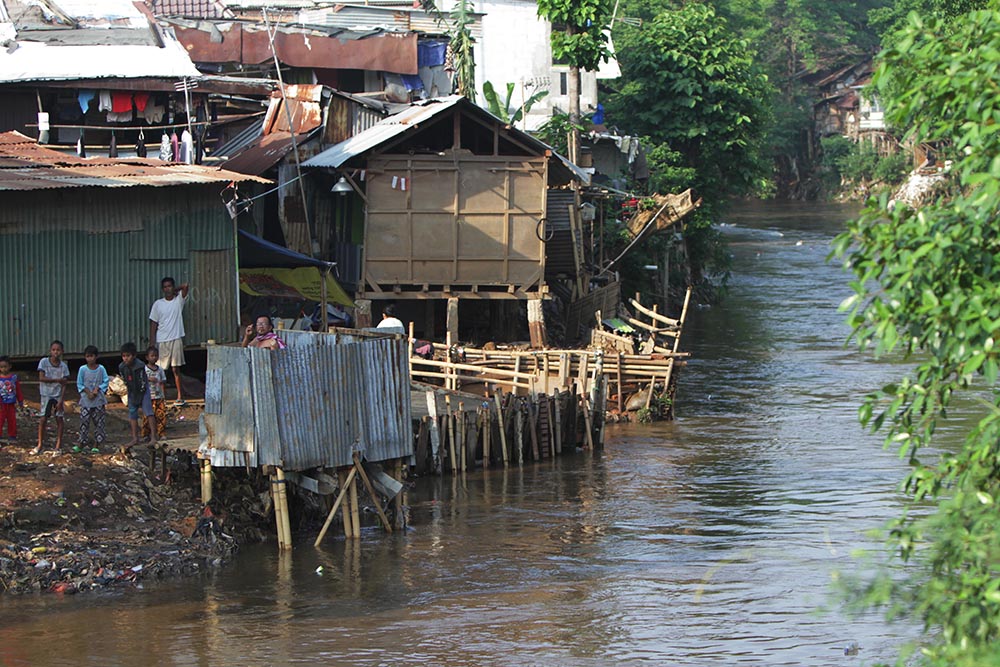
268	269
256	253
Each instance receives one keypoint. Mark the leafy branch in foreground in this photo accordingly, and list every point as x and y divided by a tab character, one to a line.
927	285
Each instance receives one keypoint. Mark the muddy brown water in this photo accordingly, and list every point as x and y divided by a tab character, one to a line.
712	540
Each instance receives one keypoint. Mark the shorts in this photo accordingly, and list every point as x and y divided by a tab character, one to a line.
50	408
171	353
135	404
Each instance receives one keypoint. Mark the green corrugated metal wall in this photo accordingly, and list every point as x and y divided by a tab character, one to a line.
84	265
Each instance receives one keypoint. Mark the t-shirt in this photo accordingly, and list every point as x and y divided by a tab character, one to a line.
156	378
134	376
10	389
169	318
50	390
91	379
393	324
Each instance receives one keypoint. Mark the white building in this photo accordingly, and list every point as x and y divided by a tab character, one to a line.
516	48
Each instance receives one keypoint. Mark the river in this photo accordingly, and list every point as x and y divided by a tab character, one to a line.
712	540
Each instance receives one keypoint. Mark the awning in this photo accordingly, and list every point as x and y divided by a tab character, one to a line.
268	269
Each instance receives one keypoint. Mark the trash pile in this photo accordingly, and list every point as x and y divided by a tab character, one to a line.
96	522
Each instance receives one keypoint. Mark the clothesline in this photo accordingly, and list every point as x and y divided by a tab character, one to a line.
173	126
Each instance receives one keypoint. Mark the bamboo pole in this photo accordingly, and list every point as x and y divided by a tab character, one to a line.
619	376
519	431
503	430
452	449
533	427
558	413
463	429
653	315
487	435
352	498
206	481
281	509
435	433
399	499
684	310
552	429
371	491
336	504
586	421
346	479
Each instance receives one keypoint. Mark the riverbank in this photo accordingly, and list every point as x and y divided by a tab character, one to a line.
73	522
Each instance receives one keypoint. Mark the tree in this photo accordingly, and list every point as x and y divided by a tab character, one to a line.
927	287
691	84
582	44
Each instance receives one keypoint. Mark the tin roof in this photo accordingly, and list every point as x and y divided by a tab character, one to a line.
81	39
409	119
24	165
264	153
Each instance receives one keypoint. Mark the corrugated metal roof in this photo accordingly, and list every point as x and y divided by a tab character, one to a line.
24	165
264	153
410	118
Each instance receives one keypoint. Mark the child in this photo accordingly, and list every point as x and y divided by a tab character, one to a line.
157	379
133	373
10	395
92	382
53	374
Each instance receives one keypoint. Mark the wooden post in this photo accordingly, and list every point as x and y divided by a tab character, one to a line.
336	504
346	479
533	427
487	434
558	419
452	449
371	491
684	311
463	429
452	319
435	432
536	323
503	431
280	496
355	509
362	314
399	500
206	481
618	373
586	421
552	430
519	431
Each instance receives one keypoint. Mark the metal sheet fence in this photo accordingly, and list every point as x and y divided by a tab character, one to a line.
311	405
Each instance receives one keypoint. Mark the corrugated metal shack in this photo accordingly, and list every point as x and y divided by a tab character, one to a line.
312	405
86	242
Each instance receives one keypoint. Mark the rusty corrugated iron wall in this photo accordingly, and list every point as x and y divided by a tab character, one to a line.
311	405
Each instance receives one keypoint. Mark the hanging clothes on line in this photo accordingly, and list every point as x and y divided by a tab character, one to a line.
166	153
85	97
140	145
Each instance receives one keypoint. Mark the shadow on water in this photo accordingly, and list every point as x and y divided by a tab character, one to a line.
711	540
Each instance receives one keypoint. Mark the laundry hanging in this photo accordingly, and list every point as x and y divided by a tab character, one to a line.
166	152
113	146
140	145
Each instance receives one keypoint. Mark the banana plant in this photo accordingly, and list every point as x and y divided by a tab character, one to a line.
503	110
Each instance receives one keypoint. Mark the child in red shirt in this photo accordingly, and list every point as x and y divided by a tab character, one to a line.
10	399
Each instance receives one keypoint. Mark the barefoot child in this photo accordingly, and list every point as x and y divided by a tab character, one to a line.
53	374
10	396
133	373
157	379
92	382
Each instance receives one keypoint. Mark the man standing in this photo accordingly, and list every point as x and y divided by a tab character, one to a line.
166	330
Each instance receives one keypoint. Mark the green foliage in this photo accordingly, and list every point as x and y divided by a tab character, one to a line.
582	43
554	131
860	164
462	42
888	20
503	110
927	287
692	85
